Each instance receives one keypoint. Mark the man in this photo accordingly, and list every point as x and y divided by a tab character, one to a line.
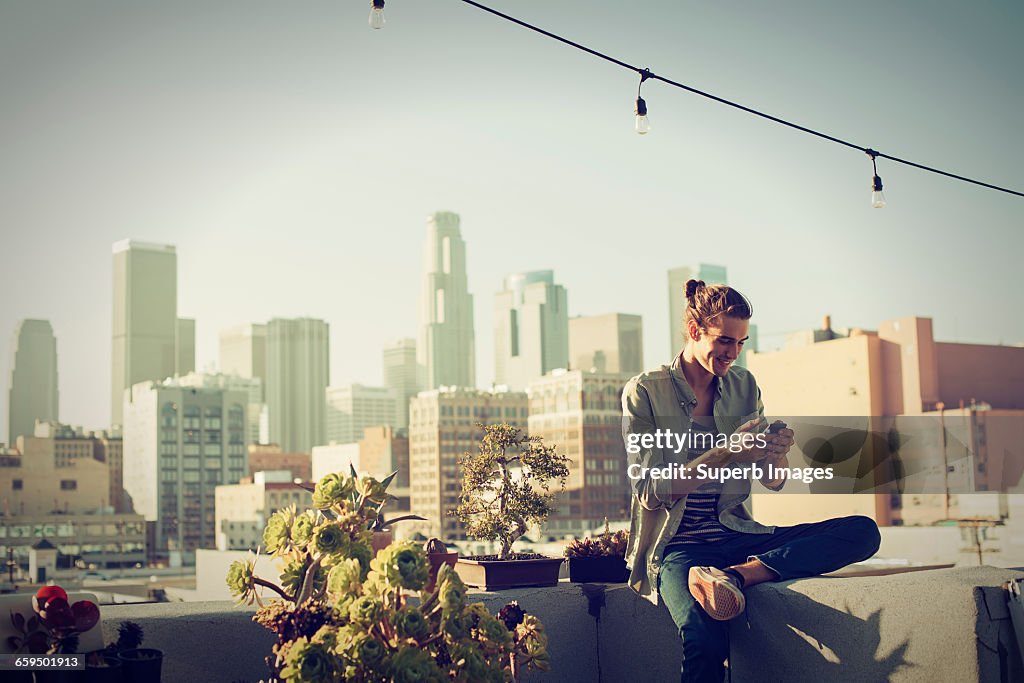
692	541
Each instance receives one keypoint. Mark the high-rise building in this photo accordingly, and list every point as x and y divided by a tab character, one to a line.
613	342
145	317
298	368
180	443
443	425
354	407
531	328
252	386
32	390
403	375
446	347
243	351
580	413
677	277
185	347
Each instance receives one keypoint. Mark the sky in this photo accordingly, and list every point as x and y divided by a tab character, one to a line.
292	155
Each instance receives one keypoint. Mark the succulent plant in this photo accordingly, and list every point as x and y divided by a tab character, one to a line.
344	616
435	546
606	545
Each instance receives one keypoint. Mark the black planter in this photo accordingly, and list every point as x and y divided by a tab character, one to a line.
141	665
608	569
109	672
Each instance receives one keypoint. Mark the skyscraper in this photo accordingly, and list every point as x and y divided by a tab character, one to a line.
607	343
145	317
402	374
446	347
180	443
32	390
677	277
243	351
298	368
185	345
354	407
531	328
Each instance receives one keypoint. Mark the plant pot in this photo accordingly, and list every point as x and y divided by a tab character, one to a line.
501	574
436	560
607	569
381	540
109	671
141	665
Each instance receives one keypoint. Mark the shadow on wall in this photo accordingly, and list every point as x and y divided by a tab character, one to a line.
810	641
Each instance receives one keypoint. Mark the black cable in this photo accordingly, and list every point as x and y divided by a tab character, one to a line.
646	74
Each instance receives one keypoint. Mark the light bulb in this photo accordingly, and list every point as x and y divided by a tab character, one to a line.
377	14
877	196
643	124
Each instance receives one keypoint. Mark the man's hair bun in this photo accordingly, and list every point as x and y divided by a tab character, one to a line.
692	286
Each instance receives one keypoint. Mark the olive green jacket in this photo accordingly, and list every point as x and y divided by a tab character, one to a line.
662	399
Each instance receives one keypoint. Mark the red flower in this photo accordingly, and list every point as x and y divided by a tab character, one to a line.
57	614
85	614
47	593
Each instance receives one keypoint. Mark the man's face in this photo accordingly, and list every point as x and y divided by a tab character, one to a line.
718	347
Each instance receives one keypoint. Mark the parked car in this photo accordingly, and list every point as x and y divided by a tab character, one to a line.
95	576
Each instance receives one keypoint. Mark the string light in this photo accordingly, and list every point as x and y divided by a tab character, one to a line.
877	196
643	124
642	106
377	14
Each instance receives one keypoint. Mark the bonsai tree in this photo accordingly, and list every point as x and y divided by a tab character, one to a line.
506	486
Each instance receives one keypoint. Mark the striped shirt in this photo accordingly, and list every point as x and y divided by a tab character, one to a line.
700	523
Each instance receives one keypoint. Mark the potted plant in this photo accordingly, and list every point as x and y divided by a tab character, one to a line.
505	489
53	629
109	664
598	560
437	555
342	614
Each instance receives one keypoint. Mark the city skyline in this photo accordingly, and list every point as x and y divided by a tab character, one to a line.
291	197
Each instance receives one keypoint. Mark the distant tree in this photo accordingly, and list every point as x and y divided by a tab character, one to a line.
506	486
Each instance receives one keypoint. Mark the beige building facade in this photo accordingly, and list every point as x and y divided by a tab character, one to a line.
242	510
442	427
580	413
34	484
898	379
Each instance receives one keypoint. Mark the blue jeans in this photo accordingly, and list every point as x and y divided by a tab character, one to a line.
791	552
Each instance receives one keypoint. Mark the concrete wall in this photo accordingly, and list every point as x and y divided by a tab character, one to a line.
944	625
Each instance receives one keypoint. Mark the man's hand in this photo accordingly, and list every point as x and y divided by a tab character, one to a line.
776	450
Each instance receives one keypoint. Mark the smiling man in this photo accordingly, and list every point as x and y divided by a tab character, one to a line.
692	542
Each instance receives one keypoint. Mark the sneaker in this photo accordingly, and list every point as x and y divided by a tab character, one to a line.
716	592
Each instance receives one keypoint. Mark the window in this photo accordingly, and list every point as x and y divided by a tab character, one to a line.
17	484
68	485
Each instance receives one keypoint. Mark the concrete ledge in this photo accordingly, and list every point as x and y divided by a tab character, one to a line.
942	625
